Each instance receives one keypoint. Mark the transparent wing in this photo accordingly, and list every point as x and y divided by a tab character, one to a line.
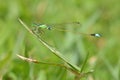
75	26
63	27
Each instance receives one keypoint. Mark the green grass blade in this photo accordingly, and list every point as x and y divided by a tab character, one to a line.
55	52
83	66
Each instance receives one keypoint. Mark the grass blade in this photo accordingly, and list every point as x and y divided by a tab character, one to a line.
55	52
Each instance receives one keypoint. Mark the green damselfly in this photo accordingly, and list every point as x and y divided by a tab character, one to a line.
38	28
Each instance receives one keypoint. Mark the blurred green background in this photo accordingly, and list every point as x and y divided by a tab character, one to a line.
101	16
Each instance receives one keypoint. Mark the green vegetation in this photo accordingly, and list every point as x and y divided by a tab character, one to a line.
70	50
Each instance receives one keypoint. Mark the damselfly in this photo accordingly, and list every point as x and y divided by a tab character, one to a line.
38	28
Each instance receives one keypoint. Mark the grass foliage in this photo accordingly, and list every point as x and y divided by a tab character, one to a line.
40	64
